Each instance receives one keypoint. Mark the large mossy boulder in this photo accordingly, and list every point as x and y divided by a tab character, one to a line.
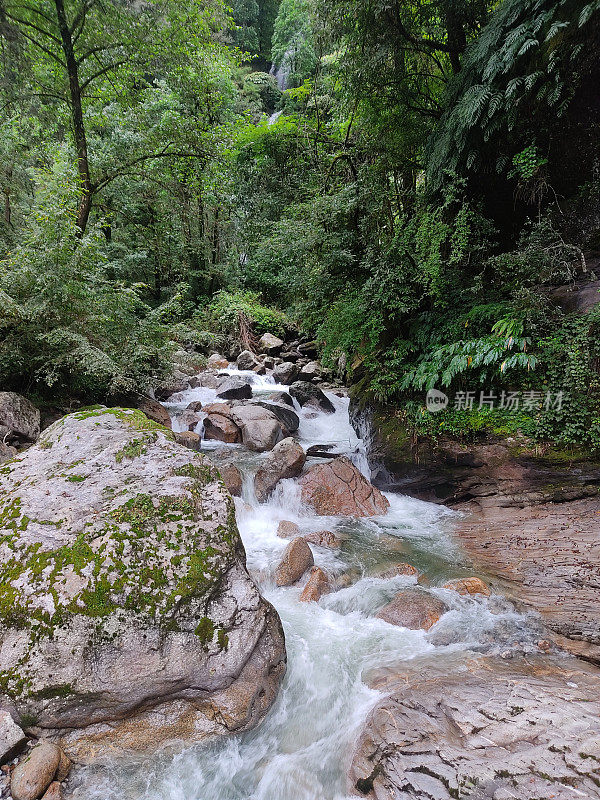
127	617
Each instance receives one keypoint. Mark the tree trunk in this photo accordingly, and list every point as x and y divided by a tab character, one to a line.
83	165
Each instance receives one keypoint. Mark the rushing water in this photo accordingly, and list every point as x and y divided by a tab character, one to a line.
301	750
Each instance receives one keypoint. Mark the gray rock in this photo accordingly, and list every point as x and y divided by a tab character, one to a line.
143	626
305	392
286	415
311	372
310	349
208	379
234	389
247	360
281	397
261	430
20	416
284	461
6	452
270	344
12	738
168	388
285	373
33	775
482	729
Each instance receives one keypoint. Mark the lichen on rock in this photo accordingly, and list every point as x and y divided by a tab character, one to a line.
123	588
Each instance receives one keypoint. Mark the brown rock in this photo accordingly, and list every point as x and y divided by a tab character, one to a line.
217	361
155	411
261	430
64	767
323	539
195	406
170	387
340	489
316	587
32	776
189	439
466	586
414	609
232	478
221	429
287	530
297	558
400	569
54	792
284	461
222	409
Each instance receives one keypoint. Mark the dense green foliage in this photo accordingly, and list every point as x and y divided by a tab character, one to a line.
412	204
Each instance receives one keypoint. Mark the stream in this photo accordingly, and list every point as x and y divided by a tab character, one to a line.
302	749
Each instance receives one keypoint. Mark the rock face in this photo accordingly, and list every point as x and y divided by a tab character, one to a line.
12	738
284	461
261	430
413	608
32	776
297	558
127	616
305	392
20	417
486	729
339	489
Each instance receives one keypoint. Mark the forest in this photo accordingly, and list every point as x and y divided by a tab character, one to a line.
409	184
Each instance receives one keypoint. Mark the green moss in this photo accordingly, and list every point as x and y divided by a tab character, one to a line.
205	630
133	449
77	478
132	417
50	692
222	639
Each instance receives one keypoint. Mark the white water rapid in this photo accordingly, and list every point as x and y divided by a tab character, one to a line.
302	749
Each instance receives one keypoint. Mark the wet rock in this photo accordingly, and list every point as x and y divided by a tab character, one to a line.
168	388
247	360
305	392
188	420
32	776
261	430
285	373
468	586
323	539
235	389
232	478
154	411
260	369
286	415
208	379
19	416
287	530
189	439
297	558
54	792
400	569
413	608
221	429
317	585
339	489
217	361
108	664
323	451
286	460
12	738
311	372
270	344
196	406
482	729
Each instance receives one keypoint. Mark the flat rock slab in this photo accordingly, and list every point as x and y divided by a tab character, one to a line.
549	558
485	729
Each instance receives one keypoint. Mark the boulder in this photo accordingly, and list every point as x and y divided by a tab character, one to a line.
155	411
261	430
133	620
221	429
189	439
33	775
281	397
232	478
6	452
286	415
323	539
270	344
297	558
222	409
400	569
260	369
19	416
287	530
285	373
64	767
234	389
293	356
310	349
54	792
196	406
168	388
311	372
217	361
468	586
305	392
339	489
187	420
12	738
413	608
208	379
284	461
247	360
316	586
